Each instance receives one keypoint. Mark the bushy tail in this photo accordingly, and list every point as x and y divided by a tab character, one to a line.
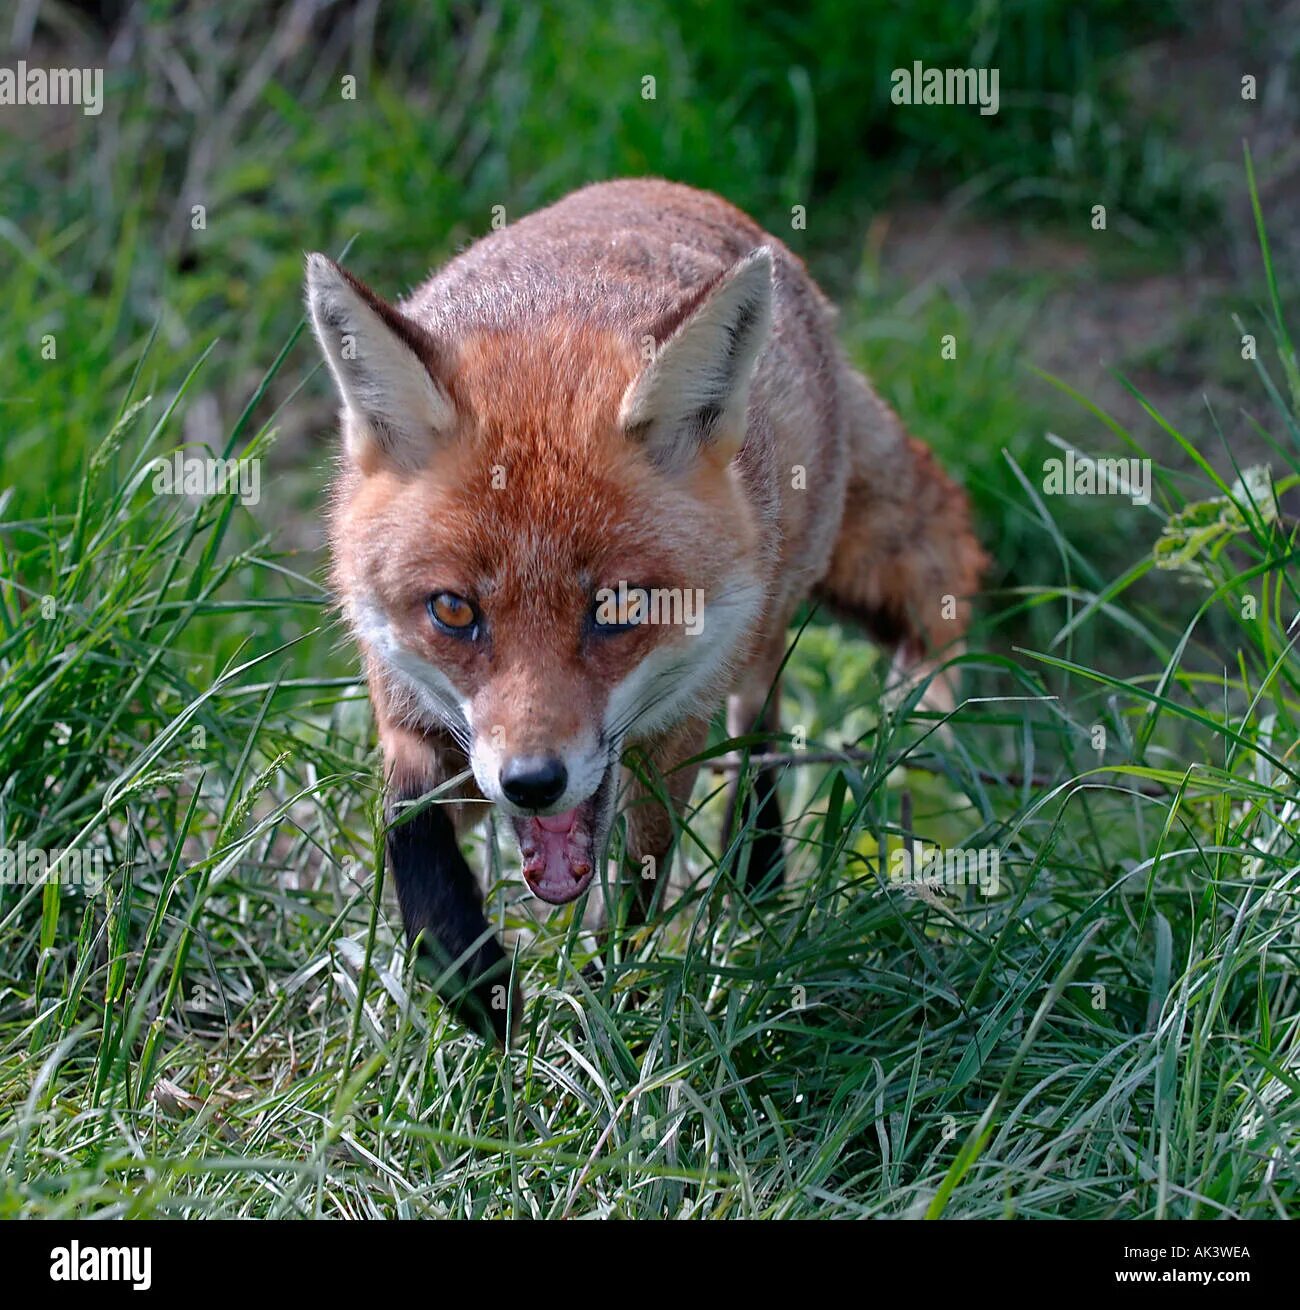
907	561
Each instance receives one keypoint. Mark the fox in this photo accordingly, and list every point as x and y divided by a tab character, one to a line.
636	392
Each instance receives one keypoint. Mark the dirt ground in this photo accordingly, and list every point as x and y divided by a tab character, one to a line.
1164	321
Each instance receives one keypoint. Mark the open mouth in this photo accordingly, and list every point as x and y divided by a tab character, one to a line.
560	851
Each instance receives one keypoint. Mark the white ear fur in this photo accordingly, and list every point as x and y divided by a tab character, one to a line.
389	397
696	388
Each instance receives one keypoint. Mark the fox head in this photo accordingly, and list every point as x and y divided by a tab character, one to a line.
540	537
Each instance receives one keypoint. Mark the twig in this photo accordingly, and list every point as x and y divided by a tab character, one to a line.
734	764
760	760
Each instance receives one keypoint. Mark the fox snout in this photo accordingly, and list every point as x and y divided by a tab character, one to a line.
560	802
538	778
534	782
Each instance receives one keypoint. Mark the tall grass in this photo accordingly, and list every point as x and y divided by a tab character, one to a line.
233	1028
229	142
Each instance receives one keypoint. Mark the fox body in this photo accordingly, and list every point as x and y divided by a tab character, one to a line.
634	394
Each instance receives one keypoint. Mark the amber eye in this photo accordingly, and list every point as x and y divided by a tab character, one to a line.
452	613
617	609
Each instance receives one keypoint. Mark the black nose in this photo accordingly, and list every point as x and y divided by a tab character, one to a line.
534	781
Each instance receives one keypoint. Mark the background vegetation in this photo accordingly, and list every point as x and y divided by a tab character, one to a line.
232	1028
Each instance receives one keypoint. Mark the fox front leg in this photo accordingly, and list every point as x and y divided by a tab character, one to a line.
754	707
659	789
442	906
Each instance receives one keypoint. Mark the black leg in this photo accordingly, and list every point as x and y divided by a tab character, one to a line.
767	854
440	899
766	849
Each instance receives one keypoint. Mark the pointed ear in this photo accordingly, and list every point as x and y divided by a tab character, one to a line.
383	365
694	392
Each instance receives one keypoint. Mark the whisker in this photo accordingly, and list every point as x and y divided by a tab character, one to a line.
649	698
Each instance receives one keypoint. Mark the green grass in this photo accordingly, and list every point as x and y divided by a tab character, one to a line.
461	108
232	1027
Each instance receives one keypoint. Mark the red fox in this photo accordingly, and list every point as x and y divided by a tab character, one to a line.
586	422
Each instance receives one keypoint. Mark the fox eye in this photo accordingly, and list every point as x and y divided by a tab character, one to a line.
617	609
453	613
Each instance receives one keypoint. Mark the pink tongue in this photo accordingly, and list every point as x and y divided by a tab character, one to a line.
558	822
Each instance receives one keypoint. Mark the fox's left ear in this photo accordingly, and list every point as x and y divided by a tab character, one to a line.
695	391
384	367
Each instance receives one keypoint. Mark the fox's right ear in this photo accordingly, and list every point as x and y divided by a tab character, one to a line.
383	366
693	394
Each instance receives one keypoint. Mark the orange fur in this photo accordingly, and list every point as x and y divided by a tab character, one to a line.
640	385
